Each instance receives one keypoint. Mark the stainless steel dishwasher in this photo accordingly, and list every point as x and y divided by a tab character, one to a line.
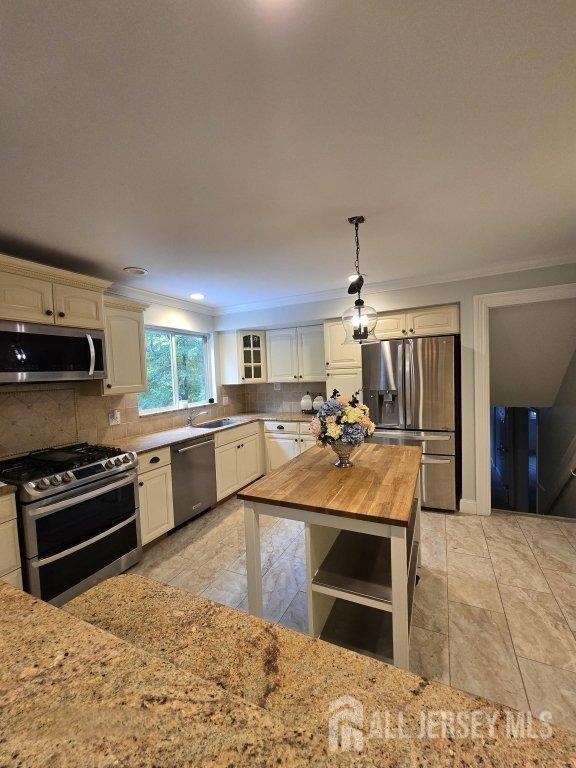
193	477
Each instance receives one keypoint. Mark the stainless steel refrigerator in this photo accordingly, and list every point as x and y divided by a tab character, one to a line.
411	388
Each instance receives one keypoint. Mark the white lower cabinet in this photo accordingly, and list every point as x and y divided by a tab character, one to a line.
280	449
306	443
14	578
9	546
237	464
156	510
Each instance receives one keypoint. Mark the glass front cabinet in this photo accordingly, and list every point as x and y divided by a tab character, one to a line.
242	357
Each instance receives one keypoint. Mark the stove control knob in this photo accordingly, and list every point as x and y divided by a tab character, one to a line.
109	464
67	477
126	459
118	461
42	484
55	480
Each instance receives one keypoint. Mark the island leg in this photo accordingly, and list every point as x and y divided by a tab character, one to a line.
400	630
253	566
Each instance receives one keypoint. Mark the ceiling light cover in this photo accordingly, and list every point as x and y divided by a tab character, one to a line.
360	320
197	296
136	270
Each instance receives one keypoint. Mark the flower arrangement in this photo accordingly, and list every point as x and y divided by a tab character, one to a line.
342	423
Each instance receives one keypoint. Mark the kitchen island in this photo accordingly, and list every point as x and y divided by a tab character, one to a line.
362	543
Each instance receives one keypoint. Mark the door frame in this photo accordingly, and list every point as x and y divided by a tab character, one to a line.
483	303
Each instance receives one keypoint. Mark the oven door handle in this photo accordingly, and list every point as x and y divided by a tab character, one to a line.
90	341
73	500
46	560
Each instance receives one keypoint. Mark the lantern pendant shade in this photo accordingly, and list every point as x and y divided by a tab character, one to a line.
359	323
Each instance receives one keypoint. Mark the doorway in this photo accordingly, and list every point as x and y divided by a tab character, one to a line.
514	459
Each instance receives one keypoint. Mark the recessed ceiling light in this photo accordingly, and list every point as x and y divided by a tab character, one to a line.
197	296
136	270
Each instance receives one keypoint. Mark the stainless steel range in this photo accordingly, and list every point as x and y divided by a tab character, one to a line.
78	517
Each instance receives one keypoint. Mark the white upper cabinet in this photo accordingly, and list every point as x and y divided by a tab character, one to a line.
392	326
26	299
433	320
296	354
125	349
338	354
242	357
311	353
35	293
346	381
78	307
282	354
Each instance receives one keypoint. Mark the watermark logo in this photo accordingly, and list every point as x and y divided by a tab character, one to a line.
344	725
350	728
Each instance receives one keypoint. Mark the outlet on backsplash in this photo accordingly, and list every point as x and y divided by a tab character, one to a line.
114	418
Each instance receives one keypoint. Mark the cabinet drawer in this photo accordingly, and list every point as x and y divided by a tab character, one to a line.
14	578
282	427
235	434
7	508
9	549
153	460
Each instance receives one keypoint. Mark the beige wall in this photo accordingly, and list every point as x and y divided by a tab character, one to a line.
462	292
263	398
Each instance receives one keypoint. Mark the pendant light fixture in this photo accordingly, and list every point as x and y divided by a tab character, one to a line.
359	321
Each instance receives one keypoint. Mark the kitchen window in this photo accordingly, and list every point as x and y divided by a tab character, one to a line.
178	371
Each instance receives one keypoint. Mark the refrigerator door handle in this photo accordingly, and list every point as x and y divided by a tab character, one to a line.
400	385
408	377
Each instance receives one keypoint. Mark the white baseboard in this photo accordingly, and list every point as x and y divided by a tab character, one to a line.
468	507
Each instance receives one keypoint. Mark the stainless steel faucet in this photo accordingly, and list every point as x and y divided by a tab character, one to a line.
192	418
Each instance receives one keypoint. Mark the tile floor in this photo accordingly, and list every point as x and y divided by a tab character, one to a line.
494	612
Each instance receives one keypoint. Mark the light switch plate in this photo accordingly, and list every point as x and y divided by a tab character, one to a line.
114	418
277	387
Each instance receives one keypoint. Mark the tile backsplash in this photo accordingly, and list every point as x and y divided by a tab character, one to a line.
35	416
264	398
38	416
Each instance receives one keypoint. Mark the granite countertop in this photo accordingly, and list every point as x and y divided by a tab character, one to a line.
378	488
72	695
171	436
294	678
7	490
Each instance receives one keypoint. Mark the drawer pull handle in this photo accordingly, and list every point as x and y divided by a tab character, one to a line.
280	426
154	459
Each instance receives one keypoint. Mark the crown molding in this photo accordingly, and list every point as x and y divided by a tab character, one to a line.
122	302
397	285
32	269
151	297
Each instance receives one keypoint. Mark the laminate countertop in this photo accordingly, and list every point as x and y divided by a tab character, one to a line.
296	678
168	437
380	487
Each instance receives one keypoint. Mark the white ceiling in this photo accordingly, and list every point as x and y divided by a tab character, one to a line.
223	144
531	346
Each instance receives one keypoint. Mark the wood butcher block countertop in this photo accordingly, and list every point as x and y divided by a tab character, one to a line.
380	487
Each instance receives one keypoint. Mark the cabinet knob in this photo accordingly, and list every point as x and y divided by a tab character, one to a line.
49	312
403	330
327	363
295	376
327	374
242	378
61	314
108	386
300	375
411	330
140	484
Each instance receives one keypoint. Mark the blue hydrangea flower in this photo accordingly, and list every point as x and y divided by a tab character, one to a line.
352	434
330	408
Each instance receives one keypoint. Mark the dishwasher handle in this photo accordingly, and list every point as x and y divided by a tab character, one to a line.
193	447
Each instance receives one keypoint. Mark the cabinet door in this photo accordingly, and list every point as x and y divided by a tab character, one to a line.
339	355
346	382
25	299
282	354
125	352
249	466
78	307
9	549
227	470
433	320
156	511
14	578
391	326
306	443
251	356
279	450
311	355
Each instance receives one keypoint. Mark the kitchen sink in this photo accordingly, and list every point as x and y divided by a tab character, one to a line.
216	423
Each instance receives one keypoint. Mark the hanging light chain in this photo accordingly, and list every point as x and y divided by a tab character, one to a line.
357	262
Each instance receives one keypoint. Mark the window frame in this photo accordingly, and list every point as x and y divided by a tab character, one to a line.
208	373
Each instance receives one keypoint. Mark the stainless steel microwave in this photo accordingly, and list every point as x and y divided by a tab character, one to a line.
34	352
